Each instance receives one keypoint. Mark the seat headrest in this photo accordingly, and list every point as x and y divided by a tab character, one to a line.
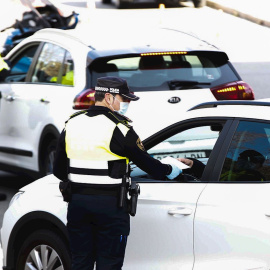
152	62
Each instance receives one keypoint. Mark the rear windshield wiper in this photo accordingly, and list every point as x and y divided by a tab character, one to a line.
179	84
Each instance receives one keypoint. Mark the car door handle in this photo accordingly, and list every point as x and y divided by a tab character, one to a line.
10	98
180	211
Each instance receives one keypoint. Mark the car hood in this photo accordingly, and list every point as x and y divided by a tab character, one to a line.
45	185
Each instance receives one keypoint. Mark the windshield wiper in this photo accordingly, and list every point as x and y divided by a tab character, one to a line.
179	84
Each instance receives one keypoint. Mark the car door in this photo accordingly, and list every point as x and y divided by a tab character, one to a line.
44	99
14	112
232	221
162	231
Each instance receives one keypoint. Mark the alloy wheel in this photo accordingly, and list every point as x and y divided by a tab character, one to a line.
43	257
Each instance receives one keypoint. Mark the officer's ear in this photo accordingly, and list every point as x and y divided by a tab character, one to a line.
107	97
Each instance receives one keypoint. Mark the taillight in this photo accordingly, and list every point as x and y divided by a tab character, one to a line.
233	91
84	100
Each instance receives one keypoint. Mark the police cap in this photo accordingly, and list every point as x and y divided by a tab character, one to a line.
115	85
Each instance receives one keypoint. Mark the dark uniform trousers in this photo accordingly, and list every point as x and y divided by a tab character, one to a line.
98	231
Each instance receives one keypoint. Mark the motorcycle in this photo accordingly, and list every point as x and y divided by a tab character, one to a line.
39	17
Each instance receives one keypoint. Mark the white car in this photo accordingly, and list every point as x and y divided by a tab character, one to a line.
217	220
53	74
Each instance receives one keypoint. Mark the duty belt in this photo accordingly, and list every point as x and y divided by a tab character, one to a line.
86	190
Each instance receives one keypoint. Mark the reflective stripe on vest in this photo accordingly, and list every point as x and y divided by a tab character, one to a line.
88	149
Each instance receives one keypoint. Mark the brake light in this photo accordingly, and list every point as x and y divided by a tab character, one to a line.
162	53
233	91
84	100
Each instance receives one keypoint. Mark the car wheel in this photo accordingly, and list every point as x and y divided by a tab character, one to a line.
44	250
199	3
47	158
106	1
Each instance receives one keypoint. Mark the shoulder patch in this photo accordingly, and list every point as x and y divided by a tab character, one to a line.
140	144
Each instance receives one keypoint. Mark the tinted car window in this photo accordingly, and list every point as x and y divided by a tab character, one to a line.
169	71
248	156
21	64
49	67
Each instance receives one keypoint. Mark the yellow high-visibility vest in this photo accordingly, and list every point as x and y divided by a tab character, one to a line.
88	149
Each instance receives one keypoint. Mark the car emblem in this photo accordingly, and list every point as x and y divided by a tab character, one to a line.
174	100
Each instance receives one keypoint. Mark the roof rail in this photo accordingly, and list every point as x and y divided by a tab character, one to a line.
64	33
213	104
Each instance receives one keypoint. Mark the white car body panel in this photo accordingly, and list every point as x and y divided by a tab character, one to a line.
24	132
163	113
41	195
156	238
232	227
44	195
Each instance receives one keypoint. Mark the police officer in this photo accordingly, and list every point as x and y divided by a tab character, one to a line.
93	153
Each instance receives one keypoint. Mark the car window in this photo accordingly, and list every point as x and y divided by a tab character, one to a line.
159	72
54	66
67	77
248	155
20	65
195	143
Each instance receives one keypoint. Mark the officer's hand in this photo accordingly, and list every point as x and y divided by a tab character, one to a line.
186	161
176	167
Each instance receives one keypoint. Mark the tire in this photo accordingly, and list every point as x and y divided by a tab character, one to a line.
199	3
47	158
106	1
40	243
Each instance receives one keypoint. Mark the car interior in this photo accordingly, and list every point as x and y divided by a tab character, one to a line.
194	143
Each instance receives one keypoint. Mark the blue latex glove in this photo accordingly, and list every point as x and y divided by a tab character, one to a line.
176	166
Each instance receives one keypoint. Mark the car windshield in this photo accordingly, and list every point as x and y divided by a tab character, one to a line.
168	71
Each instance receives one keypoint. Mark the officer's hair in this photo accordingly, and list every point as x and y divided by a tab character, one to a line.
99	96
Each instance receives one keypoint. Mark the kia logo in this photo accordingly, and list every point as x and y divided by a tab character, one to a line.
174	100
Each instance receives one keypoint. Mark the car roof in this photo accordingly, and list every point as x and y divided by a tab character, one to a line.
105	43
249	109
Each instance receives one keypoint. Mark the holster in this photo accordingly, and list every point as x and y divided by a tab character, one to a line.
65	189
134	192
123	194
